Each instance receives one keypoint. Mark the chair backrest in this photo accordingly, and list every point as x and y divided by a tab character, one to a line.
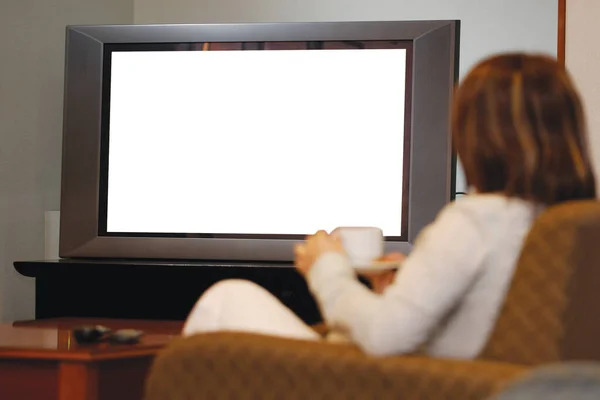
550	313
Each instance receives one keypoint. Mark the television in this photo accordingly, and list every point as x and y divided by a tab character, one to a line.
232	142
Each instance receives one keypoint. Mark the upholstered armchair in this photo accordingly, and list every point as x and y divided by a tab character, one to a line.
549	316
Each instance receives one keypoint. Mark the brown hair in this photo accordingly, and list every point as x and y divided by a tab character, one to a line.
519	129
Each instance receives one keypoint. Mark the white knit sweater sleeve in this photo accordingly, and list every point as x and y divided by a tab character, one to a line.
445	260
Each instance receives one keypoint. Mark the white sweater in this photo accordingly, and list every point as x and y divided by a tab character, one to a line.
449	290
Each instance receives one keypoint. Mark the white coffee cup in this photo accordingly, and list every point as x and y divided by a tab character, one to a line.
363	244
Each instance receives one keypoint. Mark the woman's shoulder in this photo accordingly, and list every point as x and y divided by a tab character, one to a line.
490	201
482	221
488	208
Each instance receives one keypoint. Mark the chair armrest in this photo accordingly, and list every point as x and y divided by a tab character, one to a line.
245	366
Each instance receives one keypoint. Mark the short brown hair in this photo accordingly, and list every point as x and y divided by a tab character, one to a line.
519	129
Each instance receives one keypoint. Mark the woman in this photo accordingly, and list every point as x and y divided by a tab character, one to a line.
518	127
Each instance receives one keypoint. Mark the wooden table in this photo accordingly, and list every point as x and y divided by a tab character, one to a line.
40	360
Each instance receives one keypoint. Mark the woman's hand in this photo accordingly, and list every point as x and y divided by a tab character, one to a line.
315	245
380	282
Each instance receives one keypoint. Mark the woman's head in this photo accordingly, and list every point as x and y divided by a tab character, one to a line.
519	129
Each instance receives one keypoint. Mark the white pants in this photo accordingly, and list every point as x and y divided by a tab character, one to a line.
239	305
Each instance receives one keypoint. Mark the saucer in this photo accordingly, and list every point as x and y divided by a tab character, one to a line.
377	267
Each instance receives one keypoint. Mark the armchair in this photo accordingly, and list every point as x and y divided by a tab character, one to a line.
549	316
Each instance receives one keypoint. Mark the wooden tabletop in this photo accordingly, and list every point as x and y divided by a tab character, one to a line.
53	339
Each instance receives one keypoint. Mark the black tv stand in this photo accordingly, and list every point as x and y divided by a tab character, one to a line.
151	289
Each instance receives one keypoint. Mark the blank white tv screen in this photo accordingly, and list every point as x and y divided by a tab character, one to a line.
256	142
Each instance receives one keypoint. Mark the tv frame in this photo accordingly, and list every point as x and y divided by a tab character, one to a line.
434	55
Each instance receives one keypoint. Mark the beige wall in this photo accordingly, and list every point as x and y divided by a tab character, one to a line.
31	87
488	26
583	62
